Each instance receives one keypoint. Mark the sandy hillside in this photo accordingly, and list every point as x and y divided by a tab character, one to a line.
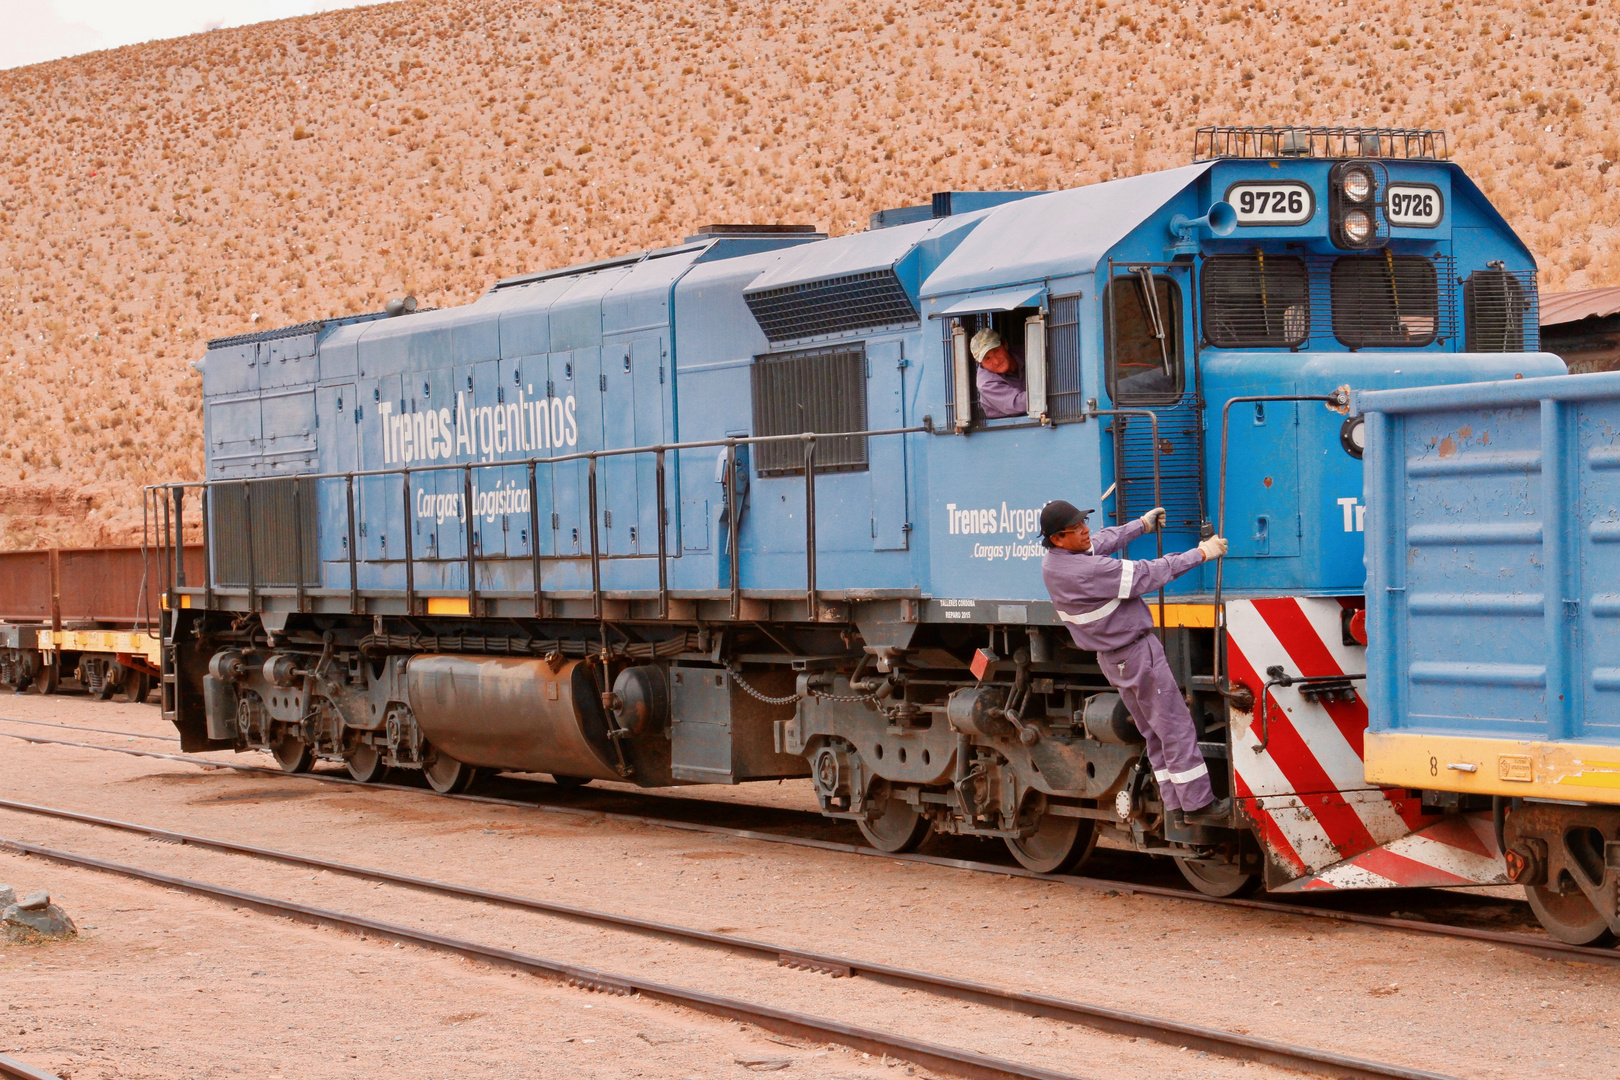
155	196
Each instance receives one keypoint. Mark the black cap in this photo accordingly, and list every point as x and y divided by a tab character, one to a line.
1058	515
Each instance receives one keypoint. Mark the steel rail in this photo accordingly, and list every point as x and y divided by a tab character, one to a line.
81	727
12	1069
784	1021
1546	947
1113	1021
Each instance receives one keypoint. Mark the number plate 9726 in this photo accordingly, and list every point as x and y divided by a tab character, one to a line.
1414	206
1276	203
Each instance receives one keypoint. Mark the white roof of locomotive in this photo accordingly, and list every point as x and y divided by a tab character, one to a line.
1056	235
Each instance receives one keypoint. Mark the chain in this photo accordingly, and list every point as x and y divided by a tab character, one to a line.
788	699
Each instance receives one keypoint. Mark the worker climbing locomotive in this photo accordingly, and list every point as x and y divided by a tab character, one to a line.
768	504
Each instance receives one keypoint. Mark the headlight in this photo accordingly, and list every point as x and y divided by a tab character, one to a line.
1358	226
1357	185
1353	435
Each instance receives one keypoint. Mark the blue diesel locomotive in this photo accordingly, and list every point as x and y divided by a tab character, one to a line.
732	510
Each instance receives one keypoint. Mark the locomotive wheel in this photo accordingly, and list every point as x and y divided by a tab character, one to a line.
293	754
105	691
569	783
445	774
899	828
137	684
1216	877
1569	916
1059	845
366	764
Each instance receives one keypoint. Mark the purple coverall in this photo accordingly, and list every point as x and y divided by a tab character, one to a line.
1002	395
1100	600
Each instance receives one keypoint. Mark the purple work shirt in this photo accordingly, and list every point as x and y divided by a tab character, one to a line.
1002	395
1100	599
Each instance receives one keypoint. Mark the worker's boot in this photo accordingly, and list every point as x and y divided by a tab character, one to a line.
1215	812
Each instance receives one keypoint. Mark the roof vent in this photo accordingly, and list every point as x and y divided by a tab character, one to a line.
943	205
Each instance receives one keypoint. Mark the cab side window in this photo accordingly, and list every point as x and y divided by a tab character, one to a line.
1143	340
1012	328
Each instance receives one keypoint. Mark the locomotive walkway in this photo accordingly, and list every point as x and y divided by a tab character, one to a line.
1545	947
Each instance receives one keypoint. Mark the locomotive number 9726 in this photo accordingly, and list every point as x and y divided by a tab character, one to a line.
1414	205
1284	203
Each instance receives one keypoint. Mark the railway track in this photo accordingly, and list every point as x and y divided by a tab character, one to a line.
1113	1021
101	730
1545	947
12	1069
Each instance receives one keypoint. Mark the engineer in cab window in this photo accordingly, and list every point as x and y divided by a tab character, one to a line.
1000	377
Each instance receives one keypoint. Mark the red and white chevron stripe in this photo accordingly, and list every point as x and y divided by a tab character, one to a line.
1306	793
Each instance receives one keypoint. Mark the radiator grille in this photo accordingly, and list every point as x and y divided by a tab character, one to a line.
284	518
1377	300
1500	311
837	305
1385	300
819	390
1256	301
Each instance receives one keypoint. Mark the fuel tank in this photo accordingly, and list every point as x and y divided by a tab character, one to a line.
521	715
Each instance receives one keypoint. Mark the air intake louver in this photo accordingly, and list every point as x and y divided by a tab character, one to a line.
281	515
1499	311
1387	300
871	300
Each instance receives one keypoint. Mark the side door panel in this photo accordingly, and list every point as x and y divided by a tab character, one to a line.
514	481
567	477
535	373
585	429
337	415
379	510
647	360
886	458
618	474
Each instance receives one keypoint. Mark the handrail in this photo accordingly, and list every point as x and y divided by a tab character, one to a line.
581	455
595	554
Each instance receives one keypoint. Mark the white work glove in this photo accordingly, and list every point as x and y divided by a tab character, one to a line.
1213	548
1153	520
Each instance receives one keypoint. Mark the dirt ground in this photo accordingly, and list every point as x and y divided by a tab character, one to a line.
162	984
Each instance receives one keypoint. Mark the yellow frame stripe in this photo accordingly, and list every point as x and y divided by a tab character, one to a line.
1192	615
1585	772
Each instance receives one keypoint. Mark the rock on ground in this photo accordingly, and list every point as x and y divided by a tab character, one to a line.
33	917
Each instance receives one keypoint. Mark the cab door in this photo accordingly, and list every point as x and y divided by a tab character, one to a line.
1149	365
